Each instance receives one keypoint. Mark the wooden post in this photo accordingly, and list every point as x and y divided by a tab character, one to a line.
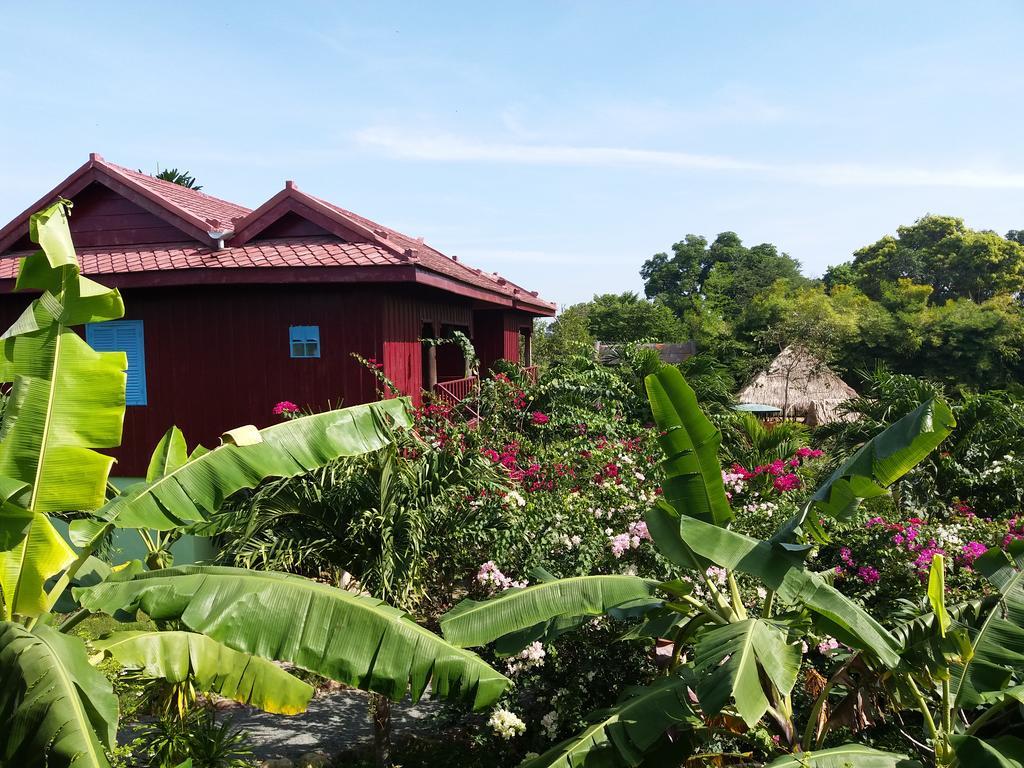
528	347
431	367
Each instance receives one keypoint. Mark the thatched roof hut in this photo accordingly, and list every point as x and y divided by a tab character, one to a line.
801	386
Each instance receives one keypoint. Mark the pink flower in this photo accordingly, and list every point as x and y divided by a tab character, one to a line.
619	543
868	574
285	406
639	529
540	418
972	550
785	483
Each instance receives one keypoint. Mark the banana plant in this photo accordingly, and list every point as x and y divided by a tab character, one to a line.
963	665
66	402
731	663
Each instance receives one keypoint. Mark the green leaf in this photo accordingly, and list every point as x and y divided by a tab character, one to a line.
937	592
57	710
199	486
997	653
884	459
31	551
626	731
473	623
690	442
846	756
1001	752
211	666
354	639
170	454
663	525
749	648
66	399
782	571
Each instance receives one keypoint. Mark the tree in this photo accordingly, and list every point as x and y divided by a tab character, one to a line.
722	277
941	251
625	317
229	624
173	175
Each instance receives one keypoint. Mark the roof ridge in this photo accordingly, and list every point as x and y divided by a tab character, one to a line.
161	186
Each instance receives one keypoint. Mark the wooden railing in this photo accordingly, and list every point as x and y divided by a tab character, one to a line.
531	373
457	393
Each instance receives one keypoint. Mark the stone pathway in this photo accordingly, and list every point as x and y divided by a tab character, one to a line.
333	722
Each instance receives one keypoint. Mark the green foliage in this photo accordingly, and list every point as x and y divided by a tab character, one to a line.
56	709
619	318
168	742
187	657
473	623
381	649
396	520
173	175
724	276
942	252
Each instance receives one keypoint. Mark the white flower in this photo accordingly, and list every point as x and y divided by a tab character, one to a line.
531	656
549	724
506	724
762	593
514	497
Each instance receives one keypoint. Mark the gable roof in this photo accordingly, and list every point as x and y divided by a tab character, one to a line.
350	241
194	213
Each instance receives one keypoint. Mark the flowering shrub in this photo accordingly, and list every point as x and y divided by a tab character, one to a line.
286	409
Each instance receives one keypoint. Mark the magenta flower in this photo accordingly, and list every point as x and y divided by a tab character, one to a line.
868	574
284	407
540	418
972	550
785	483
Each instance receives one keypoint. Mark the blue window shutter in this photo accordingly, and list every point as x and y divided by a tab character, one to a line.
304	341
123	336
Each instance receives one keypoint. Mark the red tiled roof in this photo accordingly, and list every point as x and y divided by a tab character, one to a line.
433	259
199	204
293	252
196	213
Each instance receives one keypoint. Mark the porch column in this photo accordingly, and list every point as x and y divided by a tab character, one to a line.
528	347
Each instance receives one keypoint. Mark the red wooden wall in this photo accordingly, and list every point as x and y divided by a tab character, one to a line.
217	357
498	336
102	217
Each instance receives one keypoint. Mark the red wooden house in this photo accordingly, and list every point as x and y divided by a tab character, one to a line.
230	310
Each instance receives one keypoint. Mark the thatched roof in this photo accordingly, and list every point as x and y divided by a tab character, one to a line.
801	385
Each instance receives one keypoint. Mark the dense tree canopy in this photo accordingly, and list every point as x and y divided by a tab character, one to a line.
721	277
940	251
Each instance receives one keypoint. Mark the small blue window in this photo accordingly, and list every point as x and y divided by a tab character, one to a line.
304	340
123	336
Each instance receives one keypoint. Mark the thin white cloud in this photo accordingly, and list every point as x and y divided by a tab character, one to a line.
452	148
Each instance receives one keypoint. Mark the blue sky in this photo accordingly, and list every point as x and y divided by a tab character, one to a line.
559	143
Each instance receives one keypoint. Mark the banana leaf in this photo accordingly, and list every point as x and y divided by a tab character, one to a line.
783	571
199	486
170	454
25	568
750	648
1001	752
57	710
623	734
693	476
210	666
997	653
354	639
66	399
876	465
846	756
473	623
